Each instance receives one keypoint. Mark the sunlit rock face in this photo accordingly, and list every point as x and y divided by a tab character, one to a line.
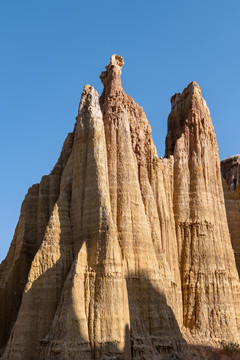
119	254
210	284
231	184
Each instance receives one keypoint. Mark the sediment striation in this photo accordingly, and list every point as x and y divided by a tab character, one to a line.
119	254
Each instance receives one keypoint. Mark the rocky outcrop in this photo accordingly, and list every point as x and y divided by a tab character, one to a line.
129	255
231	184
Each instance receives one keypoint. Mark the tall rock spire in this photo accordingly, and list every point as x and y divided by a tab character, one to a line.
139	193
209	278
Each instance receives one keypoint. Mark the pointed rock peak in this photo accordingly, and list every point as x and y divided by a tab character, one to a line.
89	99
187	109
192	90
111	78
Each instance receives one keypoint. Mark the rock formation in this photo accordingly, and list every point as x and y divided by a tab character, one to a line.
205	252
119	254
231	184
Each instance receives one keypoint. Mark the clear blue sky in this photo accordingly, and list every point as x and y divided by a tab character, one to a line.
51	49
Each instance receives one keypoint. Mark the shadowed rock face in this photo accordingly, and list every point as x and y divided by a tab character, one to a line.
35	213
118	254
231	184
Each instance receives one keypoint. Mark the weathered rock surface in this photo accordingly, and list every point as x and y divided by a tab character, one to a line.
118	254
35	214
210	282
231	184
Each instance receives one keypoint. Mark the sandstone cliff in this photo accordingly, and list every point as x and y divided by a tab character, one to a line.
119	254
231	184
